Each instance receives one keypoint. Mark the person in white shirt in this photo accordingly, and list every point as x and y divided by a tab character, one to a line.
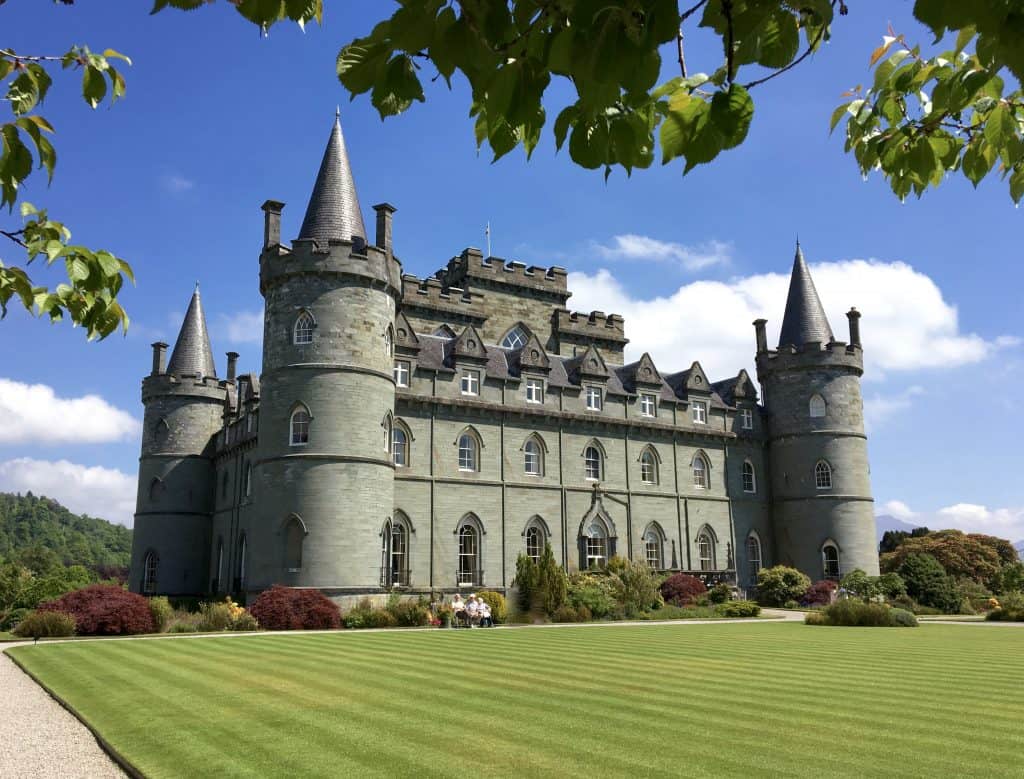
484	611
472	609
458	608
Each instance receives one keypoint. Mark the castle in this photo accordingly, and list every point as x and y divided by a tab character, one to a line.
419	434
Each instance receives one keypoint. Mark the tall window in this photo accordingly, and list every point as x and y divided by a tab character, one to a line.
701	478
652	549
293	535
399	446
596	546
467	452
830	560
149	569
394	554
648	467
401	373
823	475
218	583
753	557
300	427
469	555
534	390
240	572
248	480
592	463
470	382
747	415
534	542
516	338
387	425
706	551
532	458
303	331
389	341
156	490
700	412
648	405
749	483
817	406
593	398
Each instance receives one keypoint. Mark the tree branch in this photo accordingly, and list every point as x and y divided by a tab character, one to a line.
811	47
729	42
691	11
28	57
13	235
679	48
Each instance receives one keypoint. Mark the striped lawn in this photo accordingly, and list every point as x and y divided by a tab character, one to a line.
694	700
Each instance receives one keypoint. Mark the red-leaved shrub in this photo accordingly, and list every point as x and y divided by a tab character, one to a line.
104	610
819	593
681	589
286	608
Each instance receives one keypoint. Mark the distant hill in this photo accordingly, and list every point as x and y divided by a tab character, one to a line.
27	521
1019	546
884	522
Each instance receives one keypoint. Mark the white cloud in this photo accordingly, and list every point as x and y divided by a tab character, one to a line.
969	517
100	492
175	183
32	413
878	408
907	324
898	509
642	247
242	327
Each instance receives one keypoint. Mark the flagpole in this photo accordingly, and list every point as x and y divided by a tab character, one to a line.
487	232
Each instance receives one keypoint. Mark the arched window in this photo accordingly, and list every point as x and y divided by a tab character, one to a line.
469	452
395	553
160	430
830	560
701	472
293	536
389	341
816	406
299	426
654	548
248	480
444	331
533	458
469	556
592	463
753	557
387	425
400	445
302	333
156	490
240	567
649	467
149	569
706	550
823	475
534	542
218	583
515	338
596	549
749	482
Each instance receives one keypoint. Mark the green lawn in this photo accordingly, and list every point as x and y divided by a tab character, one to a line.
766	699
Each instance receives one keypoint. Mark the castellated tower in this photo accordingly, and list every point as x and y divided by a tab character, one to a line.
184	404
822	507
322	469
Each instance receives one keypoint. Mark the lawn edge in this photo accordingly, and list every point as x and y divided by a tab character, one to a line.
120	760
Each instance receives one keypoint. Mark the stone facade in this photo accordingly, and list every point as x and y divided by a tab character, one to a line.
420	434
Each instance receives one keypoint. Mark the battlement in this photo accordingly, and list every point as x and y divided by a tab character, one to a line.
812	355
417	291
596	324
472	267
340	258
185	385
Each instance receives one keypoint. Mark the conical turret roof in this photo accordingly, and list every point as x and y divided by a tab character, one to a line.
333	212
192	353
804	320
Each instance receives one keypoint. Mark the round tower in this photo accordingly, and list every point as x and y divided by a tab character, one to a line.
323	475
822	508
184	403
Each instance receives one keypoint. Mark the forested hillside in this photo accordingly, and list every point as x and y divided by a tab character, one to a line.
29	523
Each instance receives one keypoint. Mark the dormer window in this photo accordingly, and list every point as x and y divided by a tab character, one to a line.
648	405
700	412
470	382
515	338
594	399
747	419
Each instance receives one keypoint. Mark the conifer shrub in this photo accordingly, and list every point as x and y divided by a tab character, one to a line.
162	612
681	589
739	609
45	624
779	584
105	610
720	593
819	593
288	608
499	608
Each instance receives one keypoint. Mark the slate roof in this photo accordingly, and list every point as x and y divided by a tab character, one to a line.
804	321
192	353
333	212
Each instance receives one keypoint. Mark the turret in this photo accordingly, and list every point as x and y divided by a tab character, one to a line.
183	407
323	475
817	451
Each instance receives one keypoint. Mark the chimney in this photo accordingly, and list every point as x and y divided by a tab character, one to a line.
232	365
384	212
762	338
272	223
854	316
159	358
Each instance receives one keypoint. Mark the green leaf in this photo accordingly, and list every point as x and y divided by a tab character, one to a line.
359	64
836	116
400	86
94	86
976	163
1000	125
780	40
1017	184
731	114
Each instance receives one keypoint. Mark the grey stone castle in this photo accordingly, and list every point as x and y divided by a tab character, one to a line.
420	434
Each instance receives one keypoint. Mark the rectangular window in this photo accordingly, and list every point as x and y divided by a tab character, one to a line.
471	382
648	405
534	390
401	373
748	419
593	398
700	413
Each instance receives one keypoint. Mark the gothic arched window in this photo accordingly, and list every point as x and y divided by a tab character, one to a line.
302	333
149	571
830	560
399	445
823	475
469	452
749	482
469	555
294	533
648	467
515	338
706	550
533	457
816	407
299	426
753	557
596	545
653	548
592	463
701	472
534	542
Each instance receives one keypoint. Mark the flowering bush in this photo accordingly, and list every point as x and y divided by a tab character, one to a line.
105	610
819	593
681	589
226	615
287	608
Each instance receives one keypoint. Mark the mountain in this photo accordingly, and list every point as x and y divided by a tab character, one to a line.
29	522
884	522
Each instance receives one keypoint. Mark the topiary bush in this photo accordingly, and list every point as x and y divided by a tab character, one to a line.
681	589
720	593
499	608
105	610
819	593
45	624
288	608
777	585
162	612
738	609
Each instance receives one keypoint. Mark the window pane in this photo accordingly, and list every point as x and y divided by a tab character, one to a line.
516	337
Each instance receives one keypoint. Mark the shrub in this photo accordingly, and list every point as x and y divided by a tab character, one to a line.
859	584
815	618
45	624
681	589
525	582
499	609
791	604
819	593
928	584
286	608
857	613
105	610
567	613
903	618
1011	609
162	611
891	585
552	584
592	592
720	593
214	617
634	586
182	626
738	608
777	585
409	614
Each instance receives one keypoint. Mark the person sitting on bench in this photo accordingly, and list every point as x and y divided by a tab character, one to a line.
472	610
459	610
484	610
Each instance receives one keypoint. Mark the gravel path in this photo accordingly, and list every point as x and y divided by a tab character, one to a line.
38	738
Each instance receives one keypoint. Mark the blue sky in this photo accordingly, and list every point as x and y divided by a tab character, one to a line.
217	120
